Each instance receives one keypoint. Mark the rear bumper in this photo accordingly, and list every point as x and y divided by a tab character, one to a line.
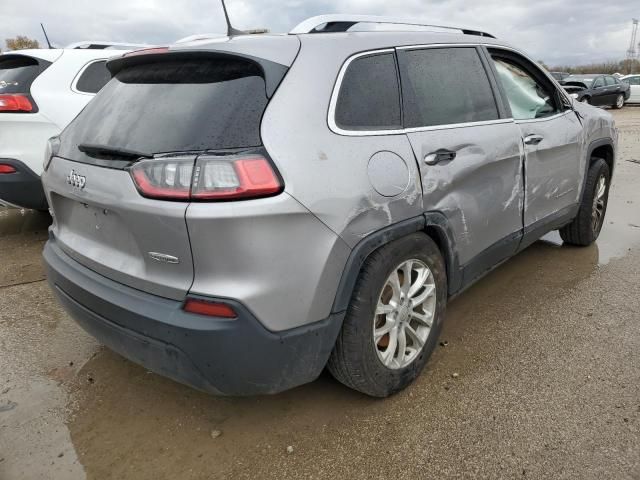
22	188
228	357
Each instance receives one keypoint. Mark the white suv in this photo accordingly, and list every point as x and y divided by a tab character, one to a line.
41	91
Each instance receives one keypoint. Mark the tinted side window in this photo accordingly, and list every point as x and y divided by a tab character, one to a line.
599	82
610	81
94	77
529	97
443	86
369	97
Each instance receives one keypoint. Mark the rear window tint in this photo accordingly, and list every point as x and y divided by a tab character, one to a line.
18	73
444	86
174	106
369	96
94	77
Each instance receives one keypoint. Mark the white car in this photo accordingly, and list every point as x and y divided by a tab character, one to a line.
41	91
634	83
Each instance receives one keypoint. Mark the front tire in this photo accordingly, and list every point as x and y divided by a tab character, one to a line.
586	227
619	102
394	319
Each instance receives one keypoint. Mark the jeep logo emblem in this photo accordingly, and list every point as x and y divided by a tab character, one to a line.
76	180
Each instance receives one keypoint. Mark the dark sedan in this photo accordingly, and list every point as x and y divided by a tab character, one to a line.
597	89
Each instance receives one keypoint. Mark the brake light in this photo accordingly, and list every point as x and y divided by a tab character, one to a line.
213	178
210	309
6	168
164	179
15	103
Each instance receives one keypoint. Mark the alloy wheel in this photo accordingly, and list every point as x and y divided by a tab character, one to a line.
404	314
599	204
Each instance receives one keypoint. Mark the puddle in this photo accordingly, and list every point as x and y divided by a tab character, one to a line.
22	237
36	336
14	221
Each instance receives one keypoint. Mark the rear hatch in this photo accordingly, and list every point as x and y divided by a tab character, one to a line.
162	111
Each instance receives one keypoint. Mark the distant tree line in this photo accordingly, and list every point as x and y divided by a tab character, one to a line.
624	66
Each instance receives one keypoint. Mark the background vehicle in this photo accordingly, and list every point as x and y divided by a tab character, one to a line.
634	86
41	91
597	89
193	233
560	76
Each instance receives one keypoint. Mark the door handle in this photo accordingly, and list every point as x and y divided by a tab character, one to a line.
533	139
439	156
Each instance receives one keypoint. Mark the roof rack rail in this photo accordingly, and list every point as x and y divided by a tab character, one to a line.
342	23
100	45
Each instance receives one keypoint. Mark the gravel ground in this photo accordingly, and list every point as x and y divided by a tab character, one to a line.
545	352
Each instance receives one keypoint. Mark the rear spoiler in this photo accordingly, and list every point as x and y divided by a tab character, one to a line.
272	72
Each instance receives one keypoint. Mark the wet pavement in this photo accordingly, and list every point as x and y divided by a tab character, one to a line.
546	348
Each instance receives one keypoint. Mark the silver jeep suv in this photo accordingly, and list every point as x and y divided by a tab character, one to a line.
240	214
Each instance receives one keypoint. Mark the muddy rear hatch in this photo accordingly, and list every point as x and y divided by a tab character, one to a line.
156	117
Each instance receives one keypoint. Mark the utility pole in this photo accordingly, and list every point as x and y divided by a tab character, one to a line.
632	53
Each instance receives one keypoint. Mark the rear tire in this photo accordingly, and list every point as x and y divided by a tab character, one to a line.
586	227
619	102
364	358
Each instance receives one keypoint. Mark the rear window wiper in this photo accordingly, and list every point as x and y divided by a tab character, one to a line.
111	153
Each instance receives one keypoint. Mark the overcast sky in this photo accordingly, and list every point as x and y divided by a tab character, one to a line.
555	31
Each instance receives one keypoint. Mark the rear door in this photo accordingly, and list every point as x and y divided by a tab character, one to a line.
601	95
170	109
552	137
469	154
614	88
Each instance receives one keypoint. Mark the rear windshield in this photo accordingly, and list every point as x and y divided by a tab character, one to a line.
17	73
174	106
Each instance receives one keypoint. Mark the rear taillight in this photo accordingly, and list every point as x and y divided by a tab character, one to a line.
213	178
210	309
164	179
6	168
15	103
244	177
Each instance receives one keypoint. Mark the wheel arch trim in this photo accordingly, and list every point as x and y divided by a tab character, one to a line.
602	142
432	223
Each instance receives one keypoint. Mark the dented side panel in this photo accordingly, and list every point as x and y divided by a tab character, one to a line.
554	166
481	190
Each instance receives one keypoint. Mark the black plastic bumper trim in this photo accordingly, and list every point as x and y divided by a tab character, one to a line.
22	188
221	356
